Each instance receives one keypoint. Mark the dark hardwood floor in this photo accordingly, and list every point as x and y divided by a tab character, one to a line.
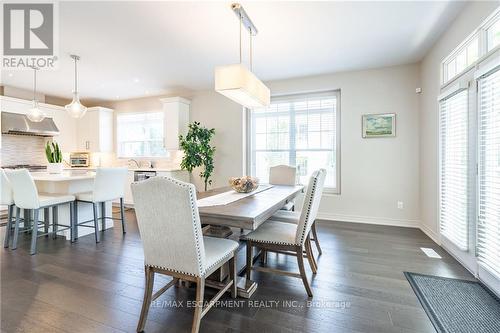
87	287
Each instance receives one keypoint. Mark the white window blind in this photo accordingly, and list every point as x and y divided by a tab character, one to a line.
299	130
454	198
140	134
489	173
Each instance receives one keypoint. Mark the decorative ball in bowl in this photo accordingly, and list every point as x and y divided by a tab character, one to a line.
245	184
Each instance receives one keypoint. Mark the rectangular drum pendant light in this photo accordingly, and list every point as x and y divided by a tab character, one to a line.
238	83
242	86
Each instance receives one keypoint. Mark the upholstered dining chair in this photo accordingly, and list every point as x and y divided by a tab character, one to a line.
287	238
109	185
170	229
283	175
294	217
26	197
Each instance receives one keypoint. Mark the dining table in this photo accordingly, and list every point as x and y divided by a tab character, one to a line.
246	213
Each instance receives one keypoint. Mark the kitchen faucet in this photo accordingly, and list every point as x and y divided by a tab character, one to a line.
135	161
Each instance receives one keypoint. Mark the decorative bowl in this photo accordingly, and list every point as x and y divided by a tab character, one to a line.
245	184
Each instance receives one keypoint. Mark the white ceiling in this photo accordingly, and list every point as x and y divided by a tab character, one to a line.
132	49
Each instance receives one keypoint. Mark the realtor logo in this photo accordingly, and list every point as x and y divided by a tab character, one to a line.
29	31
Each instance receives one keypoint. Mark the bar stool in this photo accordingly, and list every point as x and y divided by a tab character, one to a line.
27	197
7	199
109	185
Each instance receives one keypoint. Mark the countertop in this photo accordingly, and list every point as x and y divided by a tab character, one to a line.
63	177
132	169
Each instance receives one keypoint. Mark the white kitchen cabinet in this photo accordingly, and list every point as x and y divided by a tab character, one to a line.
66	125
67	129
176	120
95	130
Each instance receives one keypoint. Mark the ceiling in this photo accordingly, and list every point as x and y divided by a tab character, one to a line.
135	49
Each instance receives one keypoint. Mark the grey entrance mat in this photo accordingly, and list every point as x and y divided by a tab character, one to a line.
455	305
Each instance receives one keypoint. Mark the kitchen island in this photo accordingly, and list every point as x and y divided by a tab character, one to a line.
72	182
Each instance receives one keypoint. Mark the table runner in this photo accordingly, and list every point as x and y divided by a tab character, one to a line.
228	197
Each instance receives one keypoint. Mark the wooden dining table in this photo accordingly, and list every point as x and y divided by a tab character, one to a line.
247	213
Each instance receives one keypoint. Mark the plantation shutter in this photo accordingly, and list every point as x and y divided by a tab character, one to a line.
489	173
454	198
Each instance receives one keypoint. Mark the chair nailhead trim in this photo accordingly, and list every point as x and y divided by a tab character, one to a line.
313	190
193	221
269	242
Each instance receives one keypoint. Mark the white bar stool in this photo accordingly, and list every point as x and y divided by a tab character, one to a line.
109	185
7	199
27	197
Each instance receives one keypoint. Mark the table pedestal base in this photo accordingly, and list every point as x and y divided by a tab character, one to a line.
246	288
217	231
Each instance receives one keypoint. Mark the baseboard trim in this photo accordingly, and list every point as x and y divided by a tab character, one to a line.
370	220
432	235
382	221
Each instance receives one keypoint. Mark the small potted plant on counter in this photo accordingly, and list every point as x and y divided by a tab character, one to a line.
54	157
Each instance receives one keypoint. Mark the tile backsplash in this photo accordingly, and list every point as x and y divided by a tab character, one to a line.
23	149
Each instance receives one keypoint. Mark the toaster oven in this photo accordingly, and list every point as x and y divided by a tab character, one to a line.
79	160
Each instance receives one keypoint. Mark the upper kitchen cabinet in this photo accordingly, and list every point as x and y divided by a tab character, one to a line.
95	130
176	120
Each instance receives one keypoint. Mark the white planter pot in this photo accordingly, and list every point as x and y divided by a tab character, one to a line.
55	168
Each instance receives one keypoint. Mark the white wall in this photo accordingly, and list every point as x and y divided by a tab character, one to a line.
376	173
468	20
213	110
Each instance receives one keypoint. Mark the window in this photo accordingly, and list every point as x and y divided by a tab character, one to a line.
484	39
489	173
454	199
140	134
299	130
465	56
494	34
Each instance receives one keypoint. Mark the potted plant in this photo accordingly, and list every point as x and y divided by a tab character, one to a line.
54	157
197	151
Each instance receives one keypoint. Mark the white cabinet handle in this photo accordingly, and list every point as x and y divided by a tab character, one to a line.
87	144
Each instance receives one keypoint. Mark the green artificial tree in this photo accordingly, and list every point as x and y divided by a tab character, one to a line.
197	151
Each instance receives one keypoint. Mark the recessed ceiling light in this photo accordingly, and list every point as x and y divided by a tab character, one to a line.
117	97
136	80
11	74
147	92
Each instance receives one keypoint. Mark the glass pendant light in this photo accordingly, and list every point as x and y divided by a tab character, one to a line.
75	108
35	114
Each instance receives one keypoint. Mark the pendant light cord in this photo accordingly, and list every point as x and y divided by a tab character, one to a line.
251	50
34	83
76	77
241	23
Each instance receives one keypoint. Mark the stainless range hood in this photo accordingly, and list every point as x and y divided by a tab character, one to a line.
15	123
